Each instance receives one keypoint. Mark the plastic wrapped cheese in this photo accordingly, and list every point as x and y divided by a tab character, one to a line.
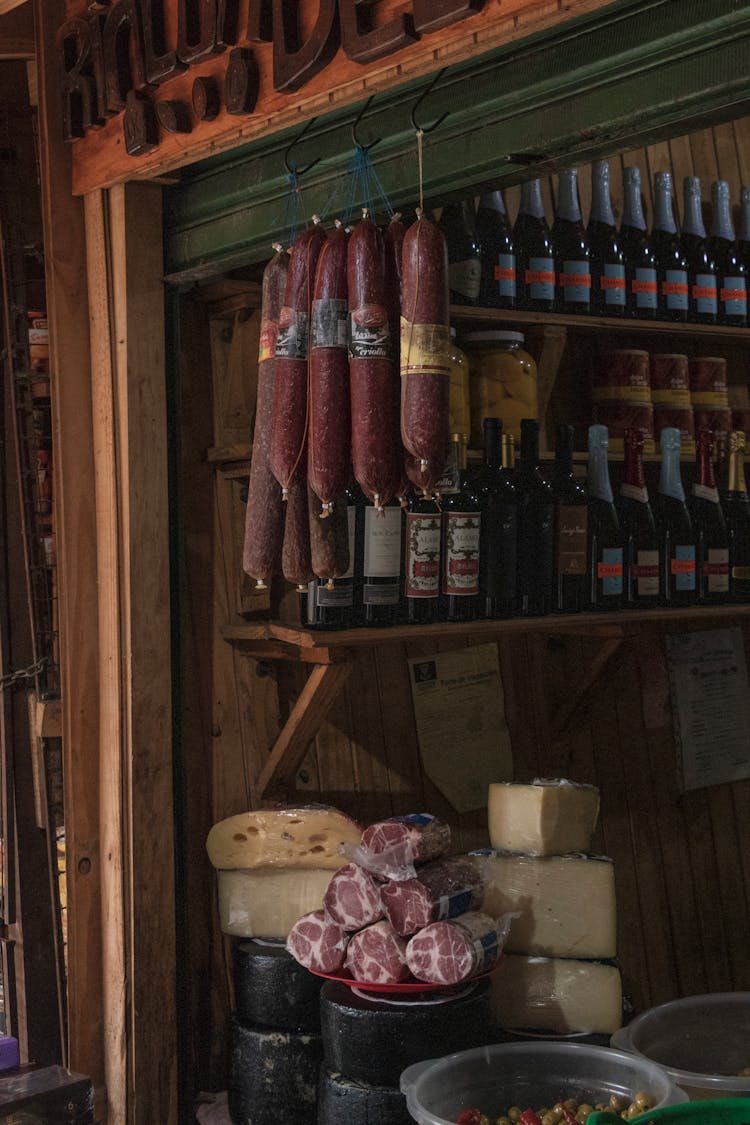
565	905
560	995
548	817
266	901
284	837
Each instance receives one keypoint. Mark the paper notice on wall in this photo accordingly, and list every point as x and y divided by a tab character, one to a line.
711	706
459	707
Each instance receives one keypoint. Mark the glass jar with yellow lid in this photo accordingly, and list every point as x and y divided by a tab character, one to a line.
503	381
459	399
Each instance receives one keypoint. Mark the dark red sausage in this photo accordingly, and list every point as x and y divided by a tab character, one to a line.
393	236
425	365
329	538
289	429
376	449
296	563
264	517
329	430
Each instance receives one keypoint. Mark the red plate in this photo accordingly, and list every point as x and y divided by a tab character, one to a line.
402	988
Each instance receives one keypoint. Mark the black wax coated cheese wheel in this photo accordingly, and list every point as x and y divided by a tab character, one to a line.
372	1040
273	1075
273	990
341	1101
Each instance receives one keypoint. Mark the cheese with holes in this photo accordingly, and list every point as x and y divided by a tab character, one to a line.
285	837
565	904
266	902
557	995
544	818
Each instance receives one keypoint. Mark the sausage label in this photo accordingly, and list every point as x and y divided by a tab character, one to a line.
369	334
422	569
292	338
425	349
267	344
328	328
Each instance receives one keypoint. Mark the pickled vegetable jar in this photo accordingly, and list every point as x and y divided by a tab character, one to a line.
503	381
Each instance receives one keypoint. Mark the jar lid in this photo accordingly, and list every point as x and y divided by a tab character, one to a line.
493	337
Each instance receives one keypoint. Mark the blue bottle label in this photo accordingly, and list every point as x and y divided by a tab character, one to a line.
644	287
613	285
505	275
705	293
609	570
674	288
734	296
683	567
575	282
540	278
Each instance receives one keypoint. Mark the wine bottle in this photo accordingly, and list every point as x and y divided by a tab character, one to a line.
702	287
605	552
571	528
677	540
709	525
640	537
608	282
330	602
461	530
536	528
458	224
495	236
378	551
422	560
640	264
731	271
571	248
535	263
499	533
737	514
671	266
743	244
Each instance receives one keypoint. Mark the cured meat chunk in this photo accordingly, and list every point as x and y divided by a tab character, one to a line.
408	839
449	952
443	889
329	537
317	942
296	560
377	955
353	898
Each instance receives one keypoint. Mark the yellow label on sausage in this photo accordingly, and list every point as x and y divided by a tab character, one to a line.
425	349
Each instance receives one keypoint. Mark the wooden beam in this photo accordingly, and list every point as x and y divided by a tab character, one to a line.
17	30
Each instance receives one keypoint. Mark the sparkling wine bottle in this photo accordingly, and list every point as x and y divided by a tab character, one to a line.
495	236
608	283
605	549
535	263
731	270
709	525
461	530
677	546
571	528
536	528
737	514
743	244
671	265
499	536
702	287
458	224
640	264
571	248
640	537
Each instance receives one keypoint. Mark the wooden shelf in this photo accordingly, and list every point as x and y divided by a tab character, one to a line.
497	318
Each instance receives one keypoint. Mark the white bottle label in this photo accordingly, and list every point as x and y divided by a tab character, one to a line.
382	542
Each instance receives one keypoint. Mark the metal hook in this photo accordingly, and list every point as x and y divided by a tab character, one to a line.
427	128
355	123
300	171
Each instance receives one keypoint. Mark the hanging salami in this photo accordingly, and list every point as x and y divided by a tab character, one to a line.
425	348
264	516
296	563
289	430
329	538
329	431
376	449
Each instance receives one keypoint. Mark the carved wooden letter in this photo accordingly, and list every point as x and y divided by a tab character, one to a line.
173	117
122	39
196	30
77	64
260	21
206	99
139	125
294	64
159	63
362	41
242	82
429	15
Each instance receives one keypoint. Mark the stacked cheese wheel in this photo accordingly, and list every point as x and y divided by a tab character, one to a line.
557	974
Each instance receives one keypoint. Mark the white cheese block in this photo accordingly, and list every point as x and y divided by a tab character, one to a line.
285	837
267	901
557	995
544	818
565	904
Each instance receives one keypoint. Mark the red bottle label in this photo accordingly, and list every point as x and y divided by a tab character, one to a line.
682	566
734	295
643	286
540	277
505	273
612	282
609	570
674	288
461	553
704	292
576	279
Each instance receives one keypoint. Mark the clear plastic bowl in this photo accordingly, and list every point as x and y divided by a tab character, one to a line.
528	1075
701	1041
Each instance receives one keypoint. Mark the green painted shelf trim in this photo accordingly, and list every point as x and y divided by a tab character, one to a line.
629	74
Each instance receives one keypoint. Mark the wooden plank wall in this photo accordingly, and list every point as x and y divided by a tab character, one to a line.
682	860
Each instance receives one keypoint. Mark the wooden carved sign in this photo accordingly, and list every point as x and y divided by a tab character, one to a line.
113	60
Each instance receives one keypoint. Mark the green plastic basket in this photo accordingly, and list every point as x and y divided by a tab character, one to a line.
722	1111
